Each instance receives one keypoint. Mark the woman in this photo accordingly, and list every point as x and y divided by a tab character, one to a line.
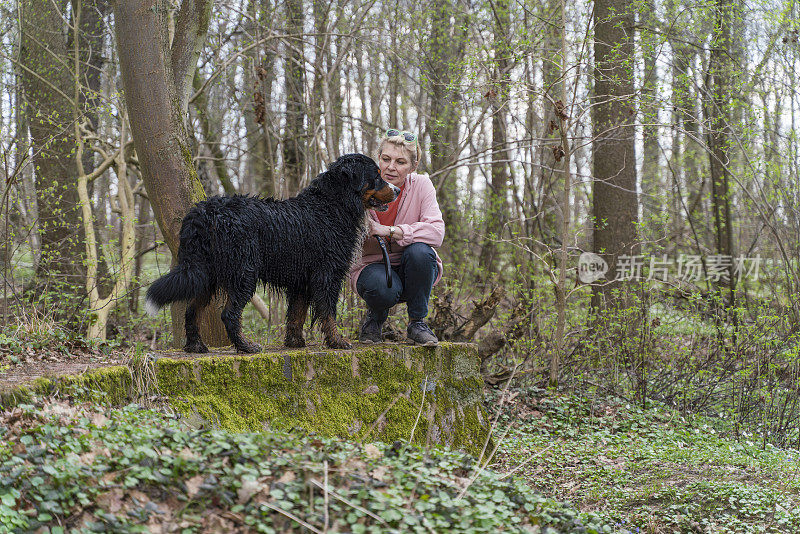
412	228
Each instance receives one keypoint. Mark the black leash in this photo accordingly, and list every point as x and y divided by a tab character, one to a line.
386	261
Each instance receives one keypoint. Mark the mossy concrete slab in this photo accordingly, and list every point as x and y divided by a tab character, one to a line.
431	395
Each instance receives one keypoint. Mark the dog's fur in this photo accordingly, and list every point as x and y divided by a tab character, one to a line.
302	246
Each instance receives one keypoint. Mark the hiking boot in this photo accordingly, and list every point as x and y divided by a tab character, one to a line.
370	331
421	334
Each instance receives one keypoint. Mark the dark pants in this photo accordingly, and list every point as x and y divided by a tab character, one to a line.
412	282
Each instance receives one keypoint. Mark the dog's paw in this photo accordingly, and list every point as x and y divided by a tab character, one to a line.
197	347
248	347
294	342
340	343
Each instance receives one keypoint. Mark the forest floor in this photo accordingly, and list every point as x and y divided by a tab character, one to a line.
648	470
563	463
84	468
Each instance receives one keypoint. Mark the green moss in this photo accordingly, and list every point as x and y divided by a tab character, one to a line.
115	382
373	394
107	384
369	394
23	394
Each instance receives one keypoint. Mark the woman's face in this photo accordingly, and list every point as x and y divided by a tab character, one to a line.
395	164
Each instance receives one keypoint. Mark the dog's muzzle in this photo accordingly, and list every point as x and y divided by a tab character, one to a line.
377	205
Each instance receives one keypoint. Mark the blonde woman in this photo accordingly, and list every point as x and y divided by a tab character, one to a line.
412	228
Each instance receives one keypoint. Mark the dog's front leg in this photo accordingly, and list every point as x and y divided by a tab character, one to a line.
333	338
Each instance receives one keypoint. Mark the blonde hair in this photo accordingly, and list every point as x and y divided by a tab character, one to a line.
412	147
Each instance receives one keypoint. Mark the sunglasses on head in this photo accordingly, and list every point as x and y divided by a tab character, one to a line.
408	136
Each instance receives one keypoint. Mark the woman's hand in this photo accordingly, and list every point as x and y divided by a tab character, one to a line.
376	228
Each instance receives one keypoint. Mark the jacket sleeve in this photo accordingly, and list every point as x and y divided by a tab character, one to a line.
430	228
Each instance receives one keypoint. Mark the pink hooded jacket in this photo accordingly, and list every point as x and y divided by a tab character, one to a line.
420	219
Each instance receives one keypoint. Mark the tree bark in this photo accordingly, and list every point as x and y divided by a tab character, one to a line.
157	116
45	71
294	137
260	122
614	198
552	213
652	201
718	112
445	45
496	195
211	136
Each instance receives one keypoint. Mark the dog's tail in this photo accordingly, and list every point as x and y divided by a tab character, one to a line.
181	283
190	278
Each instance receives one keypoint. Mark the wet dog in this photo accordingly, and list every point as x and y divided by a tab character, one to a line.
302	246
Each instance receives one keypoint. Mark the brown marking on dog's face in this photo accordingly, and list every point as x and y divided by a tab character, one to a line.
387	193
377	193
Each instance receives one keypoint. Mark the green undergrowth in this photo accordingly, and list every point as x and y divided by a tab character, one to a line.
649	470
84	468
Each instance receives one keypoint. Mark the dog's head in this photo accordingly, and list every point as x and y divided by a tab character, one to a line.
364	177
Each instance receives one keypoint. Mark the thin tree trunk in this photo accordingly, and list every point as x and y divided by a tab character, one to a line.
260	123
156	108
294	136
552	213
496	197
394	73
652	208
566	151
142	244
445	45
719	133
211	135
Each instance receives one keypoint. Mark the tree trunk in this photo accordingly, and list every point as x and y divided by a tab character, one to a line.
496	195
444	47
211	135
614	199
142	244
294	137
48	89
552	213
91	41
157	117
652	201
260	121
566	152
719	134
394	73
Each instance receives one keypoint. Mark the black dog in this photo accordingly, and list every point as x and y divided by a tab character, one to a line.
303	246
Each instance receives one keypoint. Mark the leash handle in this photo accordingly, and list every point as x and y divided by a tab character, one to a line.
386	261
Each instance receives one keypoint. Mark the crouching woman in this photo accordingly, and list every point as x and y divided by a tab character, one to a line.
412	228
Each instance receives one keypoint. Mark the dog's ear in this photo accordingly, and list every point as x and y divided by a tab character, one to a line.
356	169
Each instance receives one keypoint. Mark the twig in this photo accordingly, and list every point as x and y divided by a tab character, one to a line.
292	517
327	490
419	414
325	494
528	459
